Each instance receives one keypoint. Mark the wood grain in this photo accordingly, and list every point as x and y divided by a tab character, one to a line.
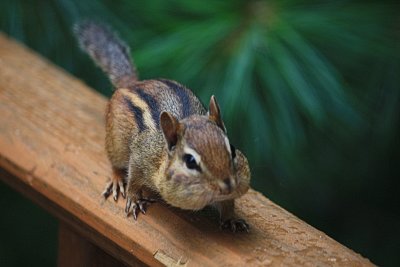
52	150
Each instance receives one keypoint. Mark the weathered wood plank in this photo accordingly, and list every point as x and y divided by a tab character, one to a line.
51	149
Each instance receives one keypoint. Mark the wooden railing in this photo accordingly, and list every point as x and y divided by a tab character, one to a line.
51	150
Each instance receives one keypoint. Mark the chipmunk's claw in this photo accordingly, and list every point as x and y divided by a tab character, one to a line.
121	188
113	187
235	225
137	206
107	190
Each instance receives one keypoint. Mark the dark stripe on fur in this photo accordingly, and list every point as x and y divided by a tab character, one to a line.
182	93
152	104
137	112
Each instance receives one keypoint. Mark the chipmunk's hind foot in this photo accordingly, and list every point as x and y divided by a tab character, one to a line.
235	225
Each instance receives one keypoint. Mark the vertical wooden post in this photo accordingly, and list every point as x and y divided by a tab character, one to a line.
74	250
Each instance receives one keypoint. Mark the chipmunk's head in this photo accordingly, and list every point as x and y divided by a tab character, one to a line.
202	165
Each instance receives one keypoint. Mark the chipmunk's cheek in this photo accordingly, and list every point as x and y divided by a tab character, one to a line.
185	193
179	179
169	175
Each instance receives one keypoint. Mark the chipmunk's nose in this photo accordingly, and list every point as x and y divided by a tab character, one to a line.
227	185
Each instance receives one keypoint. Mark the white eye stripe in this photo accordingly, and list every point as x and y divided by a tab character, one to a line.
228	146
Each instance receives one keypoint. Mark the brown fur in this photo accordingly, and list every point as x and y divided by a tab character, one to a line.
153	127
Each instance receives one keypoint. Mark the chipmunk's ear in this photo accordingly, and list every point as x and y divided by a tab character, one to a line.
214	113
169	125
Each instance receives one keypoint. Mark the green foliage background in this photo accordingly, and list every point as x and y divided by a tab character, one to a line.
309	91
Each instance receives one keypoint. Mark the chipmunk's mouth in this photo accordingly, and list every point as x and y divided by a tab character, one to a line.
192	194
201	195
189	196
191	203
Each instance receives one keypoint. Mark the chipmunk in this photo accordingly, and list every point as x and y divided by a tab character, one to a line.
159	137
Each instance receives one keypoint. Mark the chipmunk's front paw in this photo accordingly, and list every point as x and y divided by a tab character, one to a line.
235	225
115	185
136	206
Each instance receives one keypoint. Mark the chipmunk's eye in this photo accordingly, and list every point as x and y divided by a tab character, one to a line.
233	151
191	162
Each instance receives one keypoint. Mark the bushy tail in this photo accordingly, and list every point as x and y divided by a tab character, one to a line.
108	51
